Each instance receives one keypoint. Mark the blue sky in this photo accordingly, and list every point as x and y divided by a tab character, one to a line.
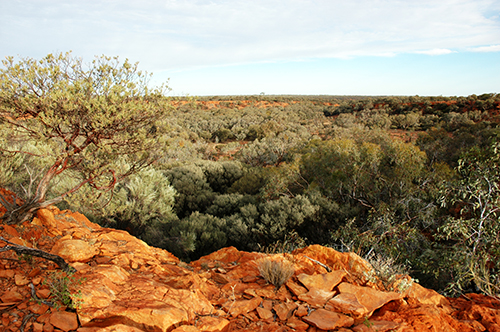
229	47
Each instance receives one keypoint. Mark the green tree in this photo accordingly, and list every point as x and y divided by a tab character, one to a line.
475	228
89	115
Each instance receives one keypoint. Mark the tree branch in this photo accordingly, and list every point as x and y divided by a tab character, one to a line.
20	250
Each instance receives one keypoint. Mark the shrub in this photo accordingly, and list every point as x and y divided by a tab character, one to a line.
387	270
275	272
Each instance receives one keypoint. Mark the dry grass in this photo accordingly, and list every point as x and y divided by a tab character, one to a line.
275	272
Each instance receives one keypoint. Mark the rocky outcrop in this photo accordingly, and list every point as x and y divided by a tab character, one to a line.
122	284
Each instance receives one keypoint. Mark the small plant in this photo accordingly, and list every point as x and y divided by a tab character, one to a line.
275	272
291	242
61	286
387	270
367	322
26	258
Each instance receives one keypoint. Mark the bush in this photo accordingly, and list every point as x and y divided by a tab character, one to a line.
134	204
275	272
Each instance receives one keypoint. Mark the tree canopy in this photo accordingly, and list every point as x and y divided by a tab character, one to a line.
75	118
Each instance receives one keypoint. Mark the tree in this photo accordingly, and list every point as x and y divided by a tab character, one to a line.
90	116
474	230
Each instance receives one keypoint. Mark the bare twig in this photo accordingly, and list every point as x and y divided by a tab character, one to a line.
319	263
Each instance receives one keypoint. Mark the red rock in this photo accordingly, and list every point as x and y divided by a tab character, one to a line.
373	325
74	250
8	229
36	281
238	307
297	324
268	304
186	328
347	303
21	280
425	296
270	292
37	327
7	273
212	324
43	293
64	320
112	328
39	309
301	311
45	218
20	241
264	313
325	281
11	296
285	310
295	288
316	298
328	320
370	298
36	271
47	327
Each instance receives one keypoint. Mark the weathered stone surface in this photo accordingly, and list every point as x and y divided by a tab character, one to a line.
187	328
238	307
212	324
7	273
374	325
336	260
264	313
295	288
328	320
74	250
21	280
297	324
324	281
316	298
112	328
10	230
64	320
301	311
38	309
425	296
347	303
285	310
369	298
11	296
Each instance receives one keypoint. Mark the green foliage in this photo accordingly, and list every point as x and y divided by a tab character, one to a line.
229	204
474	229
270	150
194	192
87	116
63	289
221	175
206	232
291	242
278	217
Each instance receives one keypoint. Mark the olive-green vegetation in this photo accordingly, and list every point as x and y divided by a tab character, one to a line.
62	118
414	180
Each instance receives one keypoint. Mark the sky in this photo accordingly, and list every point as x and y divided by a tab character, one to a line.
248	47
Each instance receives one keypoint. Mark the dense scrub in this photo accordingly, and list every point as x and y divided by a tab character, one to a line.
412	179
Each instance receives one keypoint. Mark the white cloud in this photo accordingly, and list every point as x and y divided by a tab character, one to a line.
436	51
491	48
177	34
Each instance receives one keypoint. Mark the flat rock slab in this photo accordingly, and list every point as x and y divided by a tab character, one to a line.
328	320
